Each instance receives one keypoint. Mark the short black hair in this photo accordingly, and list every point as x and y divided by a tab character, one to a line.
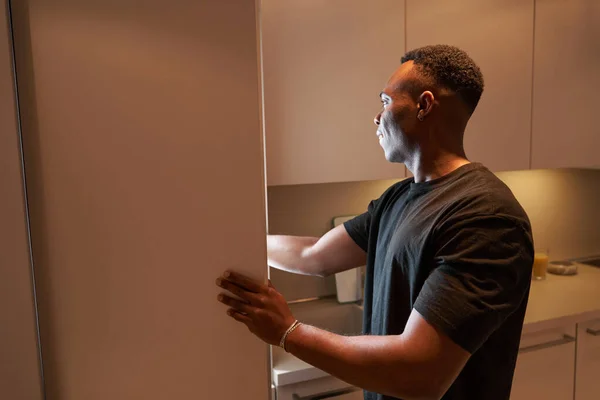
451	68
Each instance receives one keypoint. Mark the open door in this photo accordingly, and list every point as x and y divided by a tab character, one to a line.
145	171
20	376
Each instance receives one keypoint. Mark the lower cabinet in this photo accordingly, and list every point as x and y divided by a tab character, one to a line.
546	365
587	380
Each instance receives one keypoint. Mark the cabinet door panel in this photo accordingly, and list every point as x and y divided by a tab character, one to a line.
324	65
588	361
20	369
566	83
498	35
132	156
545	367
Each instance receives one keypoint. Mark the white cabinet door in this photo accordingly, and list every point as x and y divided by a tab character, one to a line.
498	35
545	366
588	361
324	63
143	147
566	83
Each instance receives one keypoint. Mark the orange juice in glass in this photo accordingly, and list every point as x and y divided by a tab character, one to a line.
540	264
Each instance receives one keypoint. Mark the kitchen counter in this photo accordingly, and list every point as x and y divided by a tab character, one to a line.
563	299
556	301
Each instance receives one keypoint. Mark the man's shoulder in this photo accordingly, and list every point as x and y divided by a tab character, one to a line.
482	192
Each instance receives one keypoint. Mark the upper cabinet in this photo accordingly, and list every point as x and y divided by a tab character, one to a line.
498	35
324	64
566	84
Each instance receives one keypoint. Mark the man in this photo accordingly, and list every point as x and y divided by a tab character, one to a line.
448	254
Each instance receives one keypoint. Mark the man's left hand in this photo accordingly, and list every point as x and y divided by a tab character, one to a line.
260	307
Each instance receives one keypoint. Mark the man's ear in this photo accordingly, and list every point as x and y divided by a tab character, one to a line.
425	104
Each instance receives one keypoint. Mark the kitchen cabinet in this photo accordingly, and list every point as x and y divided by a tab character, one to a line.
498	35
564	127
565	84
545	365
324	64
143	147
20	376
588	360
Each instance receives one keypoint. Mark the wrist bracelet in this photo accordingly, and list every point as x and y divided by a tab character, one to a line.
285	335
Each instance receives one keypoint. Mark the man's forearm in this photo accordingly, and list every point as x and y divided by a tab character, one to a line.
288	253
381	364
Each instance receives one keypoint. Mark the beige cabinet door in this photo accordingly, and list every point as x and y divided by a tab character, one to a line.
324	64
588	361
19	356
566	82
545	366
144	163
498	35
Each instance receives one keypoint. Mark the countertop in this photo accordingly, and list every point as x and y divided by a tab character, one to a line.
560	299
555	301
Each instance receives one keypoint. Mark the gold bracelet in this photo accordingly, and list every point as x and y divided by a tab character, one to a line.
285	335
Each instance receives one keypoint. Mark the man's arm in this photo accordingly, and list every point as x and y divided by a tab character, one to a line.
421	363
333	252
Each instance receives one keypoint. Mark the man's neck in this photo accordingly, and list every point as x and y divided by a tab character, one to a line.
425	168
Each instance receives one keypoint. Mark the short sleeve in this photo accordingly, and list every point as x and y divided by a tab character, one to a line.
359	227
482	274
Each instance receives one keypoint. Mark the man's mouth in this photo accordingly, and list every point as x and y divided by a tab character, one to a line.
379	135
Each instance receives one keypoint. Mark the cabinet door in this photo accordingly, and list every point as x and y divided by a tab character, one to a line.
324	63
130	152
588	361
566	82
498	35
545	366
19	356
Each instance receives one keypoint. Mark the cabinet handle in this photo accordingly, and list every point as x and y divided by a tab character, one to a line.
565	339
327	395
593	332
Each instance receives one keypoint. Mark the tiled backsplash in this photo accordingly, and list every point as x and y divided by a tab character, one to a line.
562	205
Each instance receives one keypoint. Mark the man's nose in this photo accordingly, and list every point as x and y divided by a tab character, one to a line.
377	119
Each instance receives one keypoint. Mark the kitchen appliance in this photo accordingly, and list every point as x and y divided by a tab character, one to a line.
348	284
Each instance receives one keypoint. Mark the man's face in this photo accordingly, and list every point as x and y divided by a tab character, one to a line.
397	121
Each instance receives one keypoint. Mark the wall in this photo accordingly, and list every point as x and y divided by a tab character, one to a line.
19	363
562	206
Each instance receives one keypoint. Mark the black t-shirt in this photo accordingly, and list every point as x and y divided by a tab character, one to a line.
459	250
